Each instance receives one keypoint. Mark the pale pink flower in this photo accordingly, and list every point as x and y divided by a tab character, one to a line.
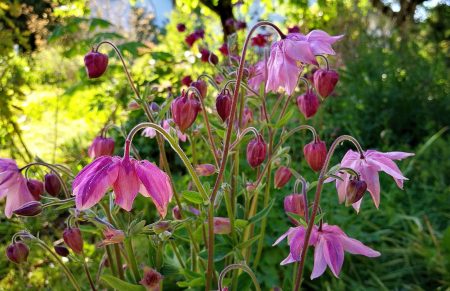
257	75
368	167
329	243
151	133
126	176
112	236
13	186
222	225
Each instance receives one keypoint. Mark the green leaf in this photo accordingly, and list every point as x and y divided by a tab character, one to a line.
247	243
193	197
162	56
118	284
319	217
263	213
297	218
282	122
98	22
136	227
240	223
132	47
197	282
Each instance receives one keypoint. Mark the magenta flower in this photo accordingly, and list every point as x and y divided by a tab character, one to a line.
368	167
151	133
329	243
126	176
101	146
13	186
286	54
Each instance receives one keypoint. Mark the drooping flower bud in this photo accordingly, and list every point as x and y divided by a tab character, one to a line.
294	29
222	225
31	208
250	187
96	64
186	81
133	105
17	252
185	110
315	154
325	81
176	213
259	40
308	104
223	104
224	49
256	151
295	203
73	239
355	191
154	107
205	170
181	27
52	184
161	227
112	236
151	279
240	25
36	188
282	176
208	57
61	250
201	86
101	146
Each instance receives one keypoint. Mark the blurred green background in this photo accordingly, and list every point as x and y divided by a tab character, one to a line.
394	94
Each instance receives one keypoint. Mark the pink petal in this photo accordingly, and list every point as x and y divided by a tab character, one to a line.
126	185
299	51
87	172
283	236
320	35
333	253
149	132
156	185
394	155
321	48
288	260
296	244
320	264
356	247
17	196
390	168
370	176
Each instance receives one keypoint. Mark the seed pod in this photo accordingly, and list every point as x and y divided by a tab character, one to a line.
17	252
96	64
315	154
73	239
256	151
52	184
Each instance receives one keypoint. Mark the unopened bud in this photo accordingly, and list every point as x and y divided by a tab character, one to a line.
36	188
256	151
201	86
151	279
96	64
101	146
355	191
325	81
282	177
52	184
185	110
176	213
61	250
308	104
161	227
31	208
222	225
223	104
315	154
205	170
73	239
295	203
17	252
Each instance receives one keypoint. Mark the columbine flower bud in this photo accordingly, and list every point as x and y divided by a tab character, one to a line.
250	187
222	225
201	86
161	227
205	170
151	279
181	27
73	239
31	208
256	151
96	64
355	191
101	146
186	81
308	104
52	184
282	176
185	110
208	57
223	104
36	188
61	250
325	81
154	107
295	203
17	252
315	153
176	213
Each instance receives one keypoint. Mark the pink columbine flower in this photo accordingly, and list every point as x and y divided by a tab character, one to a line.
368	167
112	236
13	186
285	55
257	75
151	132
222	225
126	176
329	243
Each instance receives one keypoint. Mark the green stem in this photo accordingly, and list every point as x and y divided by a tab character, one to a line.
130	253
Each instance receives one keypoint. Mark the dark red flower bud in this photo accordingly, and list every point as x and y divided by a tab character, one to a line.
17	252
96	64
308	104
201	86
224	49
205	170
52	184
61	250
325	81
223	104
294	29
208	57
176	213
199	33
73	239
240	25
36	188
181	27
190	39
229	22
315	154
259	40
31	208
151	279
355	191
186	81
282	176
295	203
256	151
101	146
155	107
185	110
